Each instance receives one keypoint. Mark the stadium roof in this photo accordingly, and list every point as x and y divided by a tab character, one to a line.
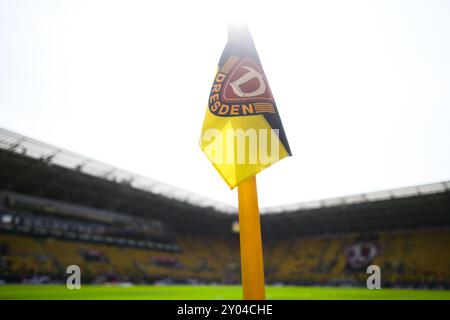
427	189
34	168
35	149
30	147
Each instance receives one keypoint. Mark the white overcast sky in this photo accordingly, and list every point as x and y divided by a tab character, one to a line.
363	88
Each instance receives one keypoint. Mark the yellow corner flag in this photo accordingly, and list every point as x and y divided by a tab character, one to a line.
242	134
242	131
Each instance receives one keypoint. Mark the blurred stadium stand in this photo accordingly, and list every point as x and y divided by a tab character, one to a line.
58	208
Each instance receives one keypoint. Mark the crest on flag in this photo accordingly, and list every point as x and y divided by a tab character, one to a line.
240	88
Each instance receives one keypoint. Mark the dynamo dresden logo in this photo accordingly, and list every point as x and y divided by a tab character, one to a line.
240	89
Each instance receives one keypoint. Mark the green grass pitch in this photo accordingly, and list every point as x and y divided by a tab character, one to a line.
153	292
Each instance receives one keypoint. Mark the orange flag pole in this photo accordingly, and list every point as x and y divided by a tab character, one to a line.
252	264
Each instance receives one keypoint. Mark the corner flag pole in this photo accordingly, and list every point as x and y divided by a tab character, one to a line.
241	99
252	265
